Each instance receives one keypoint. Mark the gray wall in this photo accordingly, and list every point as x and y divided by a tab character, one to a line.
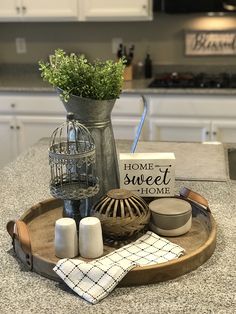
163	38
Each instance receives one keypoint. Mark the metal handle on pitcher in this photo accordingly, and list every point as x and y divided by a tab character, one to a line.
140	126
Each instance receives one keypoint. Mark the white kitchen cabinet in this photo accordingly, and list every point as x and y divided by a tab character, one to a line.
27	117
125	128
126	116
179	130
193	118
9	9
19	133
224	130
8	140
128	105
30	129
34	10
113	10
192	105
31	103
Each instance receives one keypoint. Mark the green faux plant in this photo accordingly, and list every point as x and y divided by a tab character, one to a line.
76	76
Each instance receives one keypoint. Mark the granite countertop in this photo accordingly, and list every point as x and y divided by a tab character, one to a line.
209	289
26	78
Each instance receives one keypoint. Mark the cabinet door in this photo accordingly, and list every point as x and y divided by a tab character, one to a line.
9	9
224	131
126	128
31	129
113	10
179	130
7	140
53	9
32	104
192	105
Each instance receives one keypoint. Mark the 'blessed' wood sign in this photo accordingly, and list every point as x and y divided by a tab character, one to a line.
149	174
202	43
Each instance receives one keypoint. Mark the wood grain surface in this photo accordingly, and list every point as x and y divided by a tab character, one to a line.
199	244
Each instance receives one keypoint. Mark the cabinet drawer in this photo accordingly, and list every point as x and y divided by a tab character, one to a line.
6	105
32	103
50	103
122	10
128	105
193	105
179	130
224	130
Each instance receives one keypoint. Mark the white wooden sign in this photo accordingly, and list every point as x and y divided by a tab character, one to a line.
203	43
149	174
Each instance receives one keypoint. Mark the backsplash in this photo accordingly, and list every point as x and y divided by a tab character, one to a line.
163	38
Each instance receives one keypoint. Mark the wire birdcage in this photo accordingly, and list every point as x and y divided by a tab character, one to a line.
72	160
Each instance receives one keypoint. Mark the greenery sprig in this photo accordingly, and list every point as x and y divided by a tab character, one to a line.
76	76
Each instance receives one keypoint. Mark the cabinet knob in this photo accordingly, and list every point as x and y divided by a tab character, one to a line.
18	127
18	10
214	133
207	133
13	105
11	127
24	9
144	7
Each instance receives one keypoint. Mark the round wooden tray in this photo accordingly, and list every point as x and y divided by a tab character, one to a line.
39	222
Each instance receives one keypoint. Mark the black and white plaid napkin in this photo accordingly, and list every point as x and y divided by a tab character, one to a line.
94	280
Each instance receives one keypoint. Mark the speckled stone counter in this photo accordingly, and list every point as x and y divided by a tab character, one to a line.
26	78
209	289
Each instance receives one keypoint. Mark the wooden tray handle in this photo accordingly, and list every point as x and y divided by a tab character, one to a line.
193	196
10	228
20	231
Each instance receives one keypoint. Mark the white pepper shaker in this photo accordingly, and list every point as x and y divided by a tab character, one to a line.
90	238
66	239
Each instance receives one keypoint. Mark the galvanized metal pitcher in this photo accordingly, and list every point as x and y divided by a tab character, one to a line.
96	116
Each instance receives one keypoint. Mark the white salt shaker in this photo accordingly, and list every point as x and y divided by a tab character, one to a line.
90	238
66	239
